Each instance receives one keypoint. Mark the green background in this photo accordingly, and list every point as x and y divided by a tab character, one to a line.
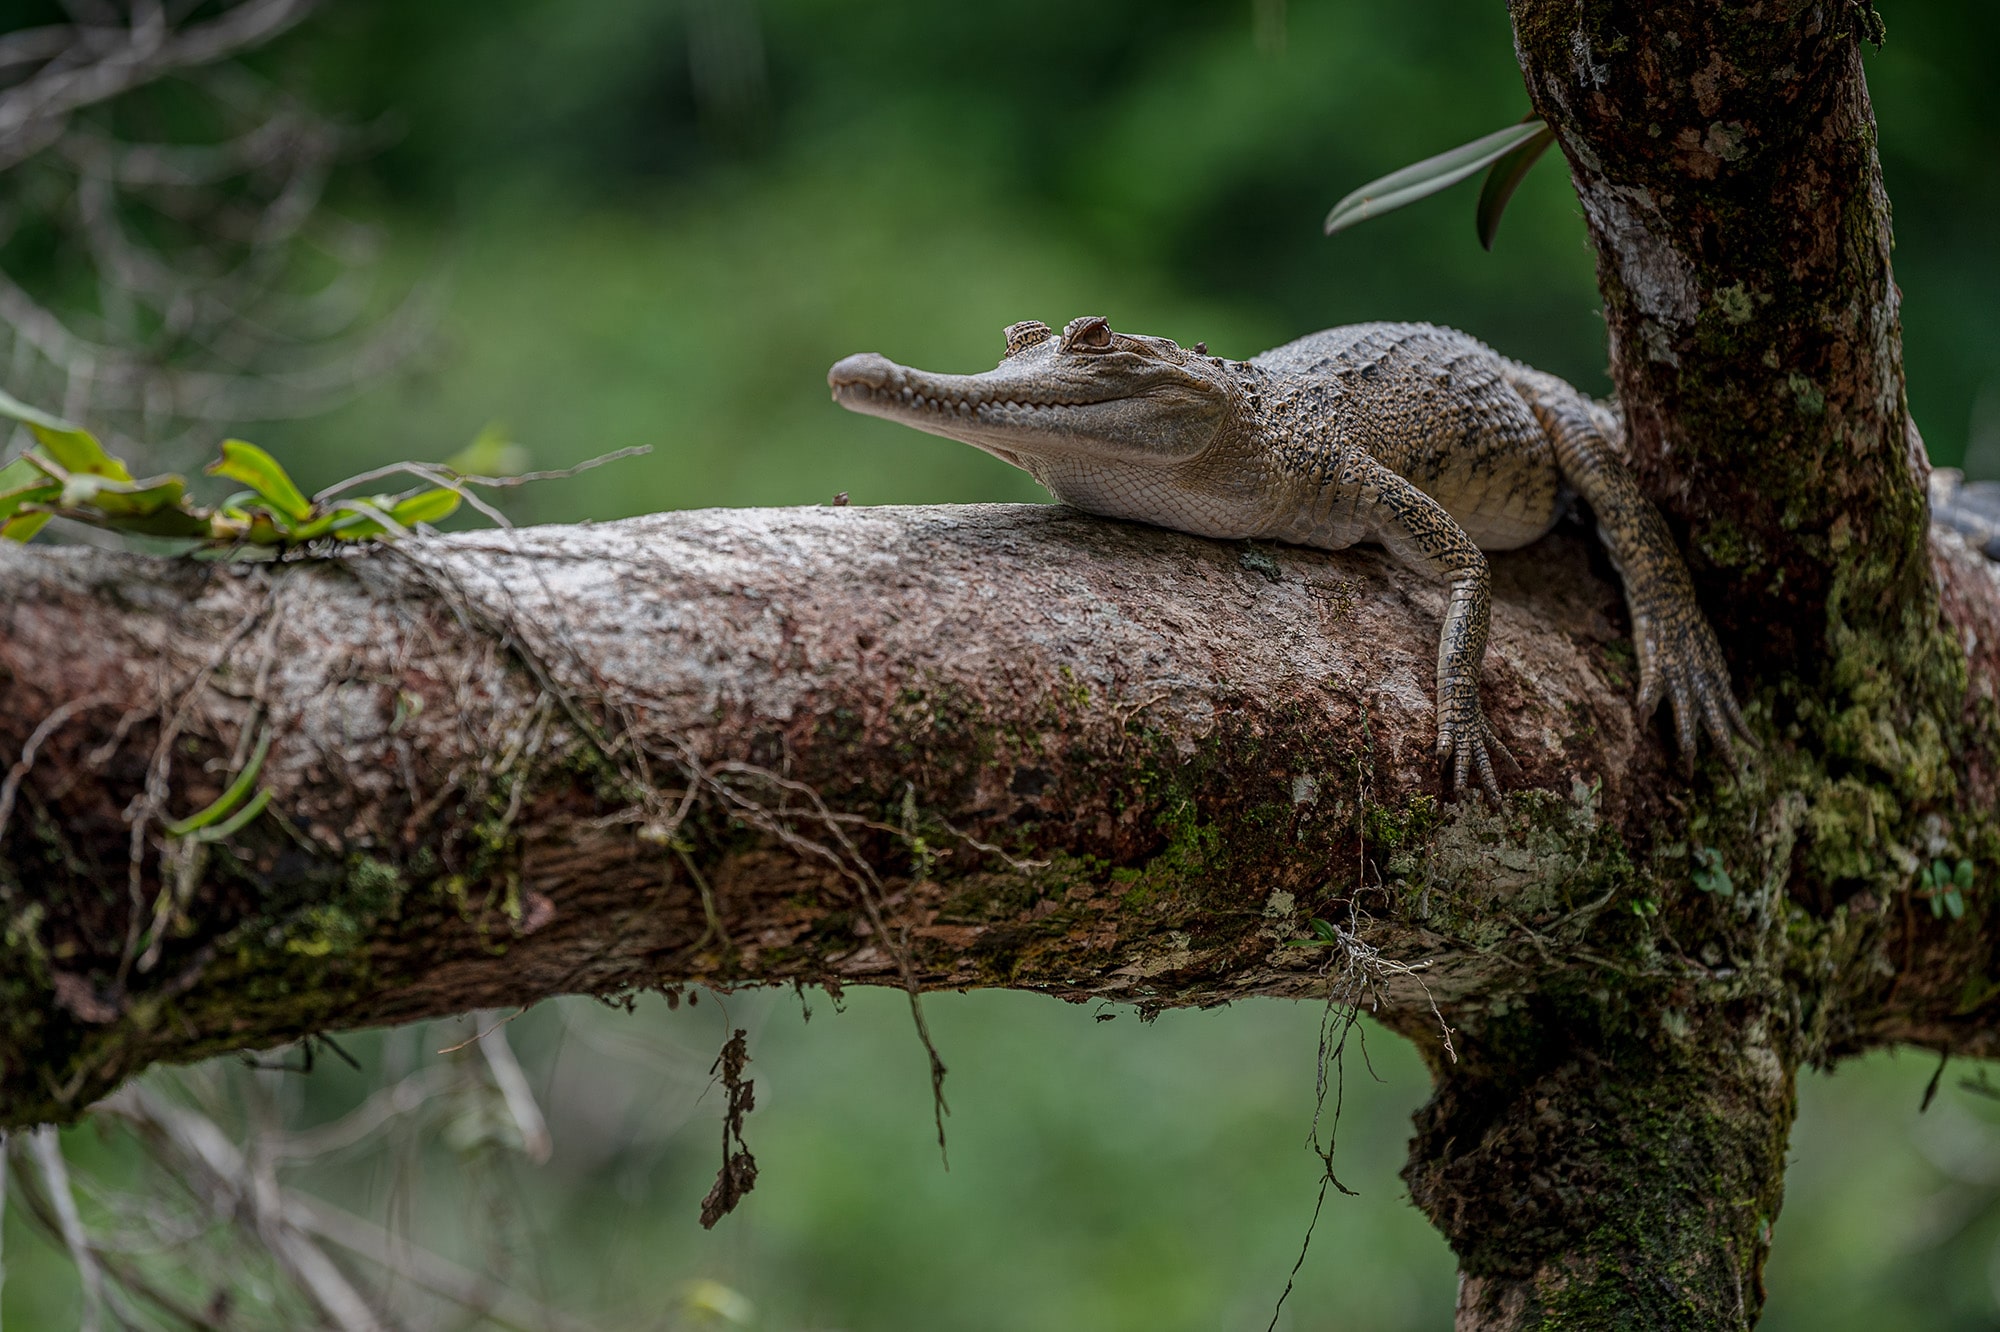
647	239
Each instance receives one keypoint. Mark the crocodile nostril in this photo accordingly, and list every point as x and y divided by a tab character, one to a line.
863	370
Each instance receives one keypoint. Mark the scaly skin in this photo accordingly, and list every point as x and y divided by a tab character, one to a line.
1417	437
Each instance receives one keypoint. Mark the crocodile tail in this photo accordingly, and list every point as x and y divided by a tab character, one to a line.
1969	508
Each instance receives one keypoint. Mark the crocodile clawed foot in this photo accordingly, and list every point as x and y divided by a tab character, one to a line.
1679	660
1465	748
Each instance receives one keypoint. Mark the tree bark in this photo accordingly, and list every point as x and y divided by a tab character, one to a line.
509	765
1726	165
1725	160
948	747
1017	746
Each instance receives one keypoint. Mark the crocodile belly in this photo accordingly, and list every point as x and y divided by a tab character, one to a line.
1509	515
1152	495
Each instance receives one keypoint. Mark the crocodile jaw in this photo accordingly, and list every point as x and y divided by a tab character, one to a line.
1026	410
985	415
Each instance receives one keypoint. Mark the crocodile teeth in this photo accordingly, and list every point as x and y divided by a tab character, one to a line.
911	398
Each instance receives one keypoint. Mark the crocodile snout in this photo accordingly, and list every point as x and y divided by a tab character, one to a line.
863	370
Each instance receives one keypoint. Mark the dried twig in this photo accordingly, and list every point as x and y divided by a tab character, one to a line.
239	1187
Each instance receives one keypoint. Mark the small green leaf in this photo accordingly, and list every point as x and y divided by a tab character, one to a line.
1322	931
1954	902
73	448
426	506
245	462
1937	906
152	507
163	523
1961	876
225	830
1503	177
230	798
1423	179
46	493
136	499
20	474
21	482
1709	875
22	526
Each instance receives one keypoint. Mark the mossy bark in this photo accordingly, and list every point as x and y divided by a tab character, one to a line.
1725	159
1620	1167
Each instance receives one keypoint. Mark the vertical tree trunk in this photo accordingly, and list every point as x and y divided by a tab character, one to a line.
1725	160
1614	1178
1611	1151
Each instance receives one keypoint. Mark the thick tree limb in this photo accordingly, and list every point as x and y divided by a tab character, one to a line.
1106	697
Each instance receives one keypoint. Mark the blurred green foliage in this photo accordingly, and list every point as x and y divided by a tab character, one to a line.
644	255
661	223
1115	1175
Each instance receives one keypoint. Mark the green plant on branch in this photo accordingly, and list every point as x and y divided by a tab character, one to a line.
67	473
1945	885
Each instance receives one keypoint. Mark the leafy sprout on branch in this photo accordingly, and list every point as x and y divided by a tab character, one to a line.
68	473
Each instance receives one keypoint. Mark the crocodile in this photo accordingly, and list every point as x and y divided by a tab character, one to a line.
1419	438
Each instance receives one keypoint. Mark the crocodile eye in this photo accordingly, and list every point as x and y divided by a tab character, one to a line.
1087	333
1026	334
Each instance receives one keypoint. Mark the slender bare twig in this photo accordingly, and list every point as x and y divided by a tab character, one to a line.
514	1090
439	475
403	1097
236	1186
45	1146
202	1155
469	1290
144	55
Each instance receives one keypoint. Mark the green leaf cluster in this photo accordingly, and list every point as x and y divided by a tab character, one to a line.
1945	885
1324	935
67	473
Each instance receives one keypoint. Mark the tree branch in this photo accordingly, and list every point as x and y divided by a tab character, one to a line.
486	750
1047	751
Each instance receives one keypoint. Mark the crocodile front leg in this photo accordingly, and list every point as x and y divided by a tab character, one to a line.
1679	657
1417	530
